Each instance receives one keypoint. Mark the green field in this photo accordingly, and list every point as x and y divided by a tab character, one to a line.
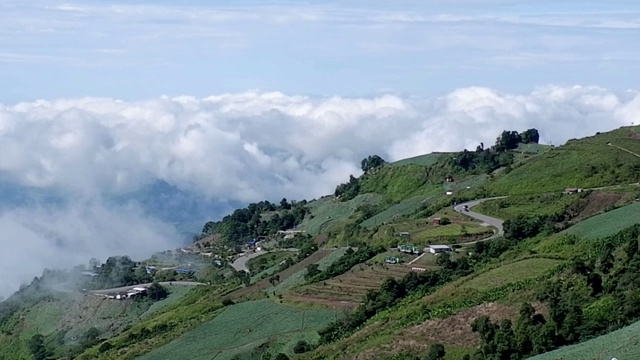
396	211
583	163
327	211
424	160
298	277
608	223
517	271
242	327
622	344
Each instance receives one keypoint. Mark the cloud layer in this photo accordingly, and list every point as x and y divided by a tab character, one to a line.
235	148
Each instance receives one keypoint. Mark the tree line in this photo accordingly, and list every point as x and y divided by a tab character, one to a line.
246	224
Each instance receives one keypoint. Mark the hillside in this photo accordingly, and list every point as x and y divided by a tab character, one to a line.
351	275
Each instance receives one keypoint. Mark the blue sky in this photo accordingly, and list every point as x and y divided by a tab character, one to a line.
142	49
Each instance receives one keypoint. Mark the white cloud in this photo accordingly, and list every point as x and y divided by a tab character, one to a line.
239	148
50	237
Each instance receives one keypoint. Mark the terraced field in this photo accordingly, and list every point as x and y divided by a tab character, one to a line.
352	286
621	344
424	160
242	328
327	211
298	277
608	223
396	211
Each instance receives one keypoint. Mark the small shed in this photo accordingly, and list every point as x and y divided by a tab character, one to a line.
404	234
436	221
438	249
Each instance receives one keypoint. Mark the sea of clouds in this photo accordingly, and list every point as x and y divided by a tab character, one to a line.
232	149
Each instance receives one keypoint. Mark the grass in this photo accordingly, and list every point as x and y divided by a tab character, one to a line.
608	223
327	212
621	344
396	211
517	271
242	327
265	261
584	163
298	277
423	160
539	204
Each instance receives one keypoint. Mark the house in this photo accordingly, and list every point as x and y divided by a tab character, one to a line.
572	190
449	192
436	221
438	249
405	248
391	260
448	179
404	234
416	250
184	271
150	269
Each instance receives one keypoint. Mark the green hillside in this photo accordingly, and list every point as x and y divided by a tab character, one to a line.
566	271
619	344
582	163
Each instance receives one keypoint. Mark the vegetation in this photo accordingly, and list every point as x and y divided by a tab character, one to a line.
563	273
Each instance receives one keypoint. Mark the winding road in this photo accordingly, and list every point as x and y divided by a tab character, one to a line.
497	223
127	288
240	264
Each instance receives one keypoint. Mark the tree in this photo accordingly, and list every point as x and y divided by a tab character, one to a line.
301	347
507	140
436	352
632	249
445	221
312	270
157	292
372	162
444	260
284	205
36	345
530	136
281	356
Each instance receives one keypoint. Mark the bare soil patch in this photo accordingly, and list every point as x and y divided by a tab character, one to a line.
452	331
352	286
595	203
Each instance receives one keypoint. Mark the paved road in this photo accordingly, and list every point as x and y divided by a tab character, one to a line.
497	223
240	264
127	288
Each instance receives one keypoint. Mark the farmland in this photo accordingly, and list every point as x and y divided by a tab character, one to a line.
353	285
521	270
585	163
327	212
424	232
297	277
396	211
608	223
621	344
242	327
423	160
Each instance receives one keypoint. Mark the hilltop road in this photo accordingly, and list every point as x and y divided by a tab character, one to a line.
497	223
240	264
127	288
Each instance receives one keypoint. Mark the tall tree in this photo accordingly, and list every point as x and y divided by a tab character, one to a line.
530	136
372	162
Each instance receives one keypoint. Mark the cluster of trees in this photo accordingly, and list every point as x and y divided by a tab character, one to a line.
345	263
117	271
371	163
246	224
497	156
596	295
351	188
390	293
348	190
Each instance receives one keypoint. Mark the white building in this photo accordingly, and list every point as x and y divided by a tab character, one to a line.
437	249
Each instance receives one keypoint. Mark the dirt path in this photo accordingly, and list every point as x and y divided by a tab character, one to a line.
623	149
